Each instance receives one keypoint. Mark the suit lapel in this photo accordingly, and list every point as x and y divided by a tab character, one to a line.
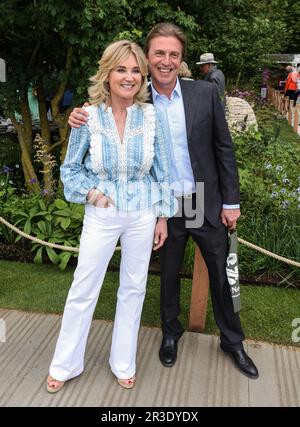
188	101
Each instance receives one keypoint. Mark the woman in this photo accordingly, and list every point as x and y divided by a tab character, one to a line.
117	165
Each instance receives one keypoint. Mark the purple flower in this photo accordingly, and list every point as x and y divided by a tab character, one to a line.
6	169
33	181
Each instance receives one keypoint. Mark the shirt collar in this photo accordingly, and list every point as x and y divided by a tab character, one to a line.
176	91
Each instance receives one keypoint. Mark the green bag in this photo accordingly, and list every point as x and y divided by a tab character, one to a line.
232	270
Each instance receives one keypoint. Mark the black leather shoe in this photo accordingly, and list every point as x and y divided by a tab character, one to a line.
242	362
168	352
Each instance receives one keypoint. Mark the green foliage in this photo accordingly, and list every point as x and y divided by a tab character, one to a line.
51	221
34	43
269	168
268	162
240	33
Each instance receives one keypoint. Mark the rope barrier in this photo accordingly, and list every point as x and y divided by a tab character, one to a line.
36	240
75	249
270	254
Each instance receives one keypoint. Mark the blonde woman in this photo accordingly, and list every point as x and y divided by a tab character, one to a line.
117	165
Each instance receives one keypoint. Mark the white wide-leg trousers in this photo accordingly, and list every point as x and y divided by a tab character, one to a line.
101	230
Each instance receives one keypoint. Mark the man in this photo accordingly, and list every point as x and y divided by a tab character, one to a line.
212	73
202	152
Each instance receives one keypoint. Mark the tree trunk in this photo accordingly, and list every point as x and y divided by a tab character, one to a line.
31	180
24	132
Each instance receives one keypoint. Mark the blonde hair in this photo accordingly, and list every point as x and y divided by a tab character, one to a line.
184	70
114	55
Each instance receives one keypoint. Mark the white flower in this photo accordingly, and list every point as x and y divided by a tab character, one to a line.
268	166
274	194
279	168
284	204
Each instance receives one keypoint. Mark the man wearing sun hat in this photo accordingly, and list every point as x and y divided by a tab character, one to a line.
212	73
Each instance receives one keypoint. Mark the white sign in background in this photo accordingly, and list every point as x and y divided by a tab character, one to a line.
2	71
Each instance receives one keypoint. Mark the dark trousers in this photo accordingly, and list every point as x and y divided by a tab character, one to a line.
292	94
213	243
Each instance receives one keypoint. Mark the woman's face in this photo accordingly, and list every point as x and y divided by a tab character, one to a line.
125	80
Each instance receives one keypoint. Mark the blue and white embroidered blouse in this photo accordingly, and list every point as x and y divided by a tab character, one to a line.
133	172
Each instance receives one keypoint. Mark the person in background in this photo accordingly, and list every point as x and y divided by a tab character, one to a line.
184	71
297	94
212	74
117	165
290	87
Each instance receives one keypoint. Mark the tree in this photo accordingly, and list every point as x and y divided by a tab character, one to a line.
240	33
54	45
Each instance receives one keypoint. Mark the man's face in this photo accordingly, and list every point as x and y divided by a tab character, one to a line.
205	68
164	58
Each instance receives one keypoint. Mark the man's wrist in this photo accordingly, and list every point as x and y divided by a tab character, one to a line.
236	206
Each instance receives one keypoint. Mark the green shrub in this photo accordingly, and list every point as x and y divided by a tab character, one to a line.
52	221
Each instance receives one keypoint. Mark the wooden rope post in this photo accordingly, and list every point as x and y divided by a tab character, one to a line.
199	294
296	119
286	106
282	104
290	112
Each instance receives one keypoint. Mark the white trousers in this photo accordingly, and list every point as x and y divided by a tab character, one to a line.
101	230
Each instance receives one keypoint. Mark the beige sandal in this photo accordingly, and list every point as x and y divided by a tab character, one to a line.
127	383
55	386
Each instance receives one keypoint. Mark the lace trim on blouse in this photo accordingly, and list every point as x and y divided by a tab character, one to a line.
97	130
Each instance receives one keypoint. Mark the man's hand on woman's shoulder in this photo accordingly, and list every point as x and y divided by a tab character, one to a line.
78	117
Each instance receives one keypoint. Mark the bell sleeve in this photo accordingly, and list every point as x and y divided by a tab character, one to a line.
76	178
166	204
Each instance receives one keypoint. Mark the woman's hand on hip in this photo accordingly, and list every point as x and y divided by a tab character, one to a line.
103	201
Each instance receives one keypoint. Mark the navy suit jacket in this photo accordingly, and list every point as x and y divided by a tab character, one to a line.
210	147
